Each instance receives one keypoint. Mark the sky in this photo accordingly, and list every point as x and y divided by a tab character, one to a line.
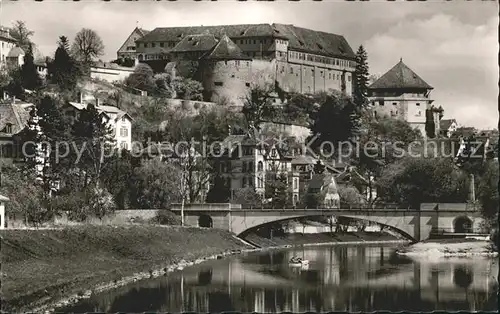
452	45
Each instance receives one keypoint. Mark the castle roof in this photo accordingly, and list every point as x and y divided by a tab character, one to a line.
400	76
197	42
299	39
226	49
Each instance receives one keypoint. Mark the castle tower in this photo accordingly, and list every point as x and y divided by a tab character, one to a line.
402	94
226	72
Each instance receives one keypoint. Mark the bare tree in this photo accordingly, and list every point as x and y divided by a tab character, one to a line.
22	34
87	46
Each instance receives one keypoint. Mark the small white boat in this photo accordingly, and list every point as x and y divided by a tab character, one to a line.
298	262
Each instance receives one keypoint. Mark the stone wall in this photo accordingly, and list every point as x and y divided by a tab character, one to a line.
298	131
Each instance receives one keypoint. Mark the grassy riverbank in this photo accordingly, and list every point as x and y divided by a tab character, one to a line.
42	266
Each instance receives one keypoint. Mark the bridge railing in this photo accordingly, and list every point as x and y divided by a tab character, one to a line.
341	206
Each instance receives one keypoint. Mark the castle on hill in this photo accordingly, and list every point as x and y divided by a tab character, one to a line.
230	58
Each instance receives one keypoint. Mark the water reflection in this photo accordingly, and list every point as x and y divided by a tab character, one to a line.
342	278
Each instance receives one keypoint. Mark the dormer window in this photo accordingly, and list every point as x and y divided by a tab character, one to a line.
8	128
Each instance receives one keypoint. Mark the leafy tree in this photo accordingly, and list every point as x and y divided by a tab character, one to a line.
25	196
117	177
487	191
412	181
337	120
15	84
87	46
141	78
22	34
361	78
56	129
350	195
247	196
219	192
299	107
156	185
187	89
163	86
258	105
125	62
30	78
277	189
63	70
92	136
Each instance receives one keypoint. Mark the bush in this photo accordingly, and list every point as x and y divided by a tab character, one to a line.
166	217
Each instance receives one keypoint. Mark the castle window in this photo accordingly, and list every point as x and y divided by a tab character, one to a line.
237	62
330	76
145	45
349	78
232	75
8	128
395	103
225	62
218	83
291	70
162	44
336	61
418	104
243	182
321	73
247	84
153	45
248	64
260	166
254	41
381	102
393	113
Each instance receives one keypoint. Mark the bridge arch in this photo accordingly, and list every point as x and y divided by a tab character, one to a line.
254	226
462	224
205	221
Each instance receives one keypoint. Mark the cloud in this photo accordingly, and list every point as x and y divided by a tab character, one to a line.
458	59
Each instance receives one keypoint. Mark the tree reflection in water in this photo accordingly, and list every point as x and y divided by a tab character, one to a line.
339	278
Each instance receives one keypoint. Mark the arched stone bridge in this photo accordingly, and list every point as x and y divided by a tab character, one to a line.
415	224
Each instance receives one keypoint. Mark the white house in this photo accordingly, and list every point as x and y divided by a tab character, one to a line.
119	121
9	52
3	223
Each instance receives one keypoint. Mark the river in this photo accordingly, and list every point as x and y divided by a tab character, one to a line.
339	277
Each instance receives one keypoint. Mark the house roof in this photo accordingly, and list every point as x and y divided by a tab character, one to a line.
445	124
226	49
400	76
197	42
15	113
300	39
5	35
15	52
143	31
303	160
